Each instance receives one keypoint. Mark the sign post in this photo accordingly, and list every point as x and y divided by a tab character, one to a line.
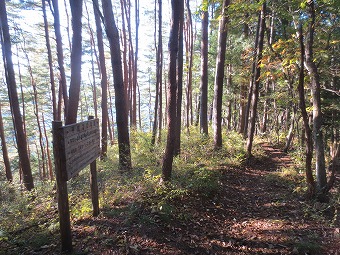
94	185
75	146
60	172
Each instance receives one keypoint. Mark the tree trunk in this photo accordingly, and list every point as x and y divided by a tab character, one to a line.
131	90
36	111
37	115
307	129
125	51
172	90
203	117
49	160
159	68
60	55
23	103
93	54
103	80
228	92
255	94
76	54
243	89
197	109
23	110
5	156
179	82
265	108
219	77
13	98
120	98
251	85
135	64
160	108
50	63
321	178
189	38
111	119
290	134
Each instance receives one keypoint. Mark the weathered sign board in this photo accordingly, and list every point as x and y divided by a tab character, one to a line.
81	145
75	146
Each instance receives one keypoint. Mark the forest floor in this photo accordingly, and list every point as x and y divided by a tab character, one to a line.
254	212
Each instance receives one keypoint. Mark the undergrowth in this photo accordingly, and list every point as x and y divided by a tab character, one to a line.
137	195
195	173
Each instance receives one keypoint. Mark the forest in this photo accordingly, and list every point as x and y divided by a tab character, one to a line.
219	126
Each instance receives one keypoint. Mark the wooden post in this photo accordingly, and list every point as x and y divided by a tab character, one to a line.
61	177
94	185
94	188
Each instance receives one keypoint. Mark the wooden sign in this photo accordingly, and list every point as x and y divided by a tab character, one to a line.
81	145
74	146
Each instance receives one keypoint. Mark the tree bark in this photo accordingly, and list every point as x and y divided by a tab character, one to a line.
103	81
251	84
290	135
321	178
228	92
37	115
49	160
13	98
23	102
50	63
255	94
265	108
172	90
203	117
5	156
307	129
60	56
135	65
159	69
94	55
189	38
76	54
125	52
243	89
219	77
120	98
179	82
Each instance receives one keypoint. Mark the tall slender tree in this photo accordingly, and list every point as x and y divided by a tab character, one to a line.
21	138
251	83
4	149
321	178
49	160
204	70
76	54
179	95
159	69
243	90
172	90
219	76
189	39
256	81
120	98
103	80
308	132
50	62
135	64
60	55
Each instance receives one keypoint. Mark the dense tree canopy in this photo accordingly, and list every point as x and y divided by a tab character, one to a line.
230	83
281	62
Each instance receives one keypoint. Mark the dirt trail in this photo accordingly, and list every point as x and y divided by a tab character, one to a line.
276	157
253	213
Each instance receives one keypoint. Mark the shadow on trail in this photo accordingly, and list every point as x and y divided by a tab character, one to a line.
251	214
